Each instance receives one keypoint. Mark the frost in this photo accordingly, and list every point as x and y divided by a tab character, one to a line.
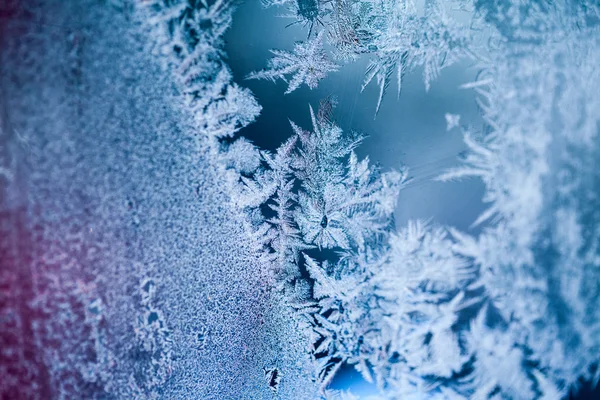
406	41
339	208
273	377
452	121
509	311
188	37
338	202
307	64
498	363
538	260
121	273
305	12
388	303
242	156
150	252
395	34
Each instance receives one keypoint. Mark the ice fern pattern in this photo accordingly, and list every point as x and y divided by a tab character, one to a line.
507	314
539	261
308	64
317	195
396	35
154	252
188	37
96	301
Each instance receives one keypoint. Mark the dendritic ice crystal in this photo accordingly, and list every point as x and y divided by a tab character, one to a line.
150	250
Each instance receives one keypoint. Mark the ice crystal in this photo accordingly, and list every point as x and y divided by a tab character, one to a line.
120	272
150	252
308	64
538	262
394	34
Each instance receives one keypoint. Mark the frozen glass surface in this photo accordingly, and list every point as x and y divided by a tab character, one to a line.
299	199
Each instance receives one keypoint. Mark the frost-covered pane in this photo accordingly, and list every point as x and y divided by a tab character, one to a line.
149	250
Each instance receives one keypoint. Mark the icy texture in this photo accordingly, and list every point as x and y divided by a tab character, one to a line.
149	252
382	301
122	273
308	64
313	194
395	34
539	264
512	312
